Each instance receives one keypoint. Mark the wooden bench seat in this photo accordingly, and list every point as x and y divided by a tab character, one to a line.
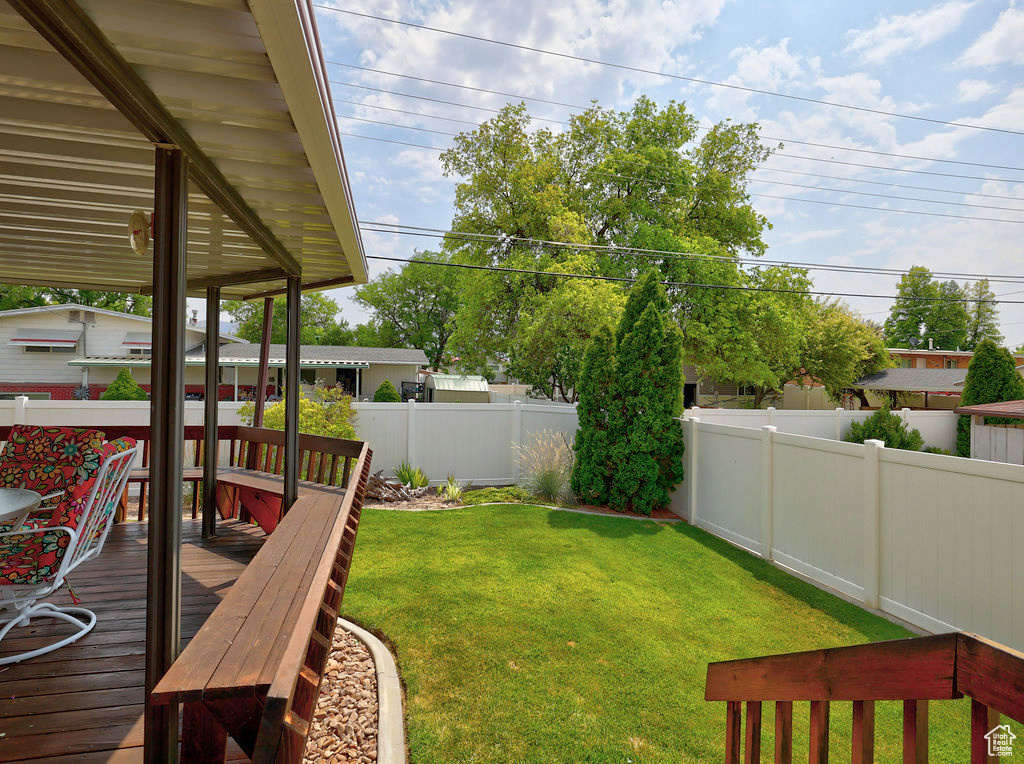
253	671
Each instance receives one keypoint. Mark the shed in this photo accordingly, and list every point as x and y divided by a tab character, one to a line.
456	388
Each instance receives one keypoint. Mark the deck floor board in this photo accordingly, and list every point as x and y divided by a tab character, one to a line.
90	693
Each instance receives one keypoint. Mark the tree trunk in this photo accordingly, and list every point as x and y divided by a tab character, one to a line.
862	397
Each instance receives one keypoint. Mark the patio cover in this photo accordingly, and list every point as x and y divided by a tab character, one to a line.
915	380
1009	409
240	87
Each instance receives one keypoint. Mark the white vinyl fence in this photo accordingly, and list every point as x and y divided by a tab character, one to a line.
475	442
938	428
935	540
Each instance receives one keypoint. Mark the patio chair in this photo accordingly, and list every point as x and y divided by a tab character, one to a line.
34	562
49	461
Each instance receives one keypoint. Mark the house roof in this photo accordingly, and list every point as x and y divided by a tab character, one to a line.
1012	409
241	87
69	306
915	380
248	354
458	383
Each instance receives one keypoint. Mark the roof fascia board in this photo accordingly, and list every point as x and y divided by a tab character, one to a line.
74	35
309	286
302	75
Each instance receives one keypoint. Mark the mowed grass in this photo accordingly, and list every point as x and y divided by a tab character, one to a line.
532	635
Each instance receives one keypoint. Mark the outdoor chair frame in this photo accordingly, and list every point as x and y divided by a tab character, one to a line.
93	526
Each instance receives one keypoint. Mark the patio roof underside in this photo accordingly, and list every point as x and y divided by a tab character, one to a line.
245	84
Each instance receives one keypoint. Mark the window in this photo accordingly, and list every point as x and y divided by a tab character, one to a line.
746	390
49	349
906	363
140	351
952	363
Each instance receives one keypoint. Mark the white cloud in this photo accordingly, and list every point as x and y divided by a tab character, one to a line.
1000	44
769	68
823	233
973	90
899	34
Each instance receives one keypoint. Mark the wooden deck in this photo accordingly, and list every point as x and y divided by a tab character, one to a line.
83	703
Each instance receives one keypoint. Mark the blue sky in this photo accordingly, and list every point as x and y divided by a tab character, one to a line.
954	61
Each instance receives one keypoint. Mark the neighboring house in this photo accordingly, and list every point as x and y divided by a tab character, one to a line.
42	350
455	388
936	359
49	351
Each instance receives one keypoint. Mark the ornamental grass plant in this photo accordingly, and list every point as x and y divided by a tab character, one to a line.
546	464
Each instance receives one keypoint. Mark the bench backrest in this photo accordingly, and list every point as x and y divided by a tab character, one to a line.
327	461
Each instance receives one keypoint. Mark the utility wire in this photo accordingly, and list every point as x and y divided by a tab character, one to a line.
730	287
668	254
584	108
642	70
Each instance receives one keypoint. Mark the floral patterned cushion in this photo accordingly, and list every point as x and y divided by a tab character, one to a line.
31	558
49	459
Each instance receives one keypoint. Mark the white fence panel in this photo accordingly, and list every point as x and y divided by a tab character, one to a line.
385	426
952	544
473	441
560	419
817	509
997	444
7	413
729	483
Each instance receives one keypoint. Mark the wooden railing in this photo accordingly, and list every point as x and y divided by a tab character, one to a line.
941	667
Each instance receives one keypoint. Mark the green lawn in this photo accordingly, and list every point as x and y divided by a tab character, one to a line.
531	635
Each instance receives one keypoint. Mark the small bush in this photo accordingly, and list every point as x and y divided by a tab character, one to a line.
512	494
546	463
451	489
936	450
386	393
411	477
124	388
888	427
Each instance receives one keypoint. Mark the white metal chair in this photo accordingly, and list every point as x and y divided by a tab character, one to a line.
34	562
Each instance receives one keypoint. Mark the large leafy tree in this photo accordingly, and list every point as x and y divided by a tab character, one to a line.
947	320
318	317
982	314
136	304
910	313
554	332
415	306
840	347
14	296
632	179
991	378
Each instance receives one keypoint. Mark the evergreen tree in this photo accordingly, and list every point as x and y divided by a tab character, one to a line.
591	473
124	388
386	393
991	378
982	315
646	291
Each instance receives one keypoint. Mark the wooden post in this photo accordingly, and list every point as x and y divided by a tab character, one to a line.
263	373
983	719
818	749
163	583
767	491
915	732
732	731
783	732
210	412
752	736
291	396
871	522
863	744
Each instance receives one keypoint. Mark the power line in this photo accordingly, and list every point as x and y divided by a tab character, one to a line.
830	146
641	70
668	254
406	111
730	287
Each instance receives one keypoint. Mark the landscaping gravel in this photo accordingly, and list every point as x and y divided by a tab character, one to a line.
344	729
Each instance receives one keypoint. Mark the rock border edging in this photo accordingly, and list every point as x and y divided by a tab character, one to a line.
390	716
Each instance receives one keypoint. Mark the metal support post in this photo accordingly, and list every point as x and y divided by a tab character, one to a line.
210	439
163	582
291	395
263	373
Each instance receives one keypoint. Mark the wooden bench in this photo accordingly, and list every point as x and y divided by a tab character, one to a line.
253	671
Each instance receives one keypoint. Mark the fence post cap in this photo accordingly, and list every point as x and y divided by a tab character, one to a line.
769	428
875	443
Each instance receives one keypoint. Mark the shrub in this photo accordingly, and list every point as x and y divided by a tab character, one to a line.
328	413
546	463
888	427
124	388
386	393
411	477
591	473
991	378
936	450
512	494
451	489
